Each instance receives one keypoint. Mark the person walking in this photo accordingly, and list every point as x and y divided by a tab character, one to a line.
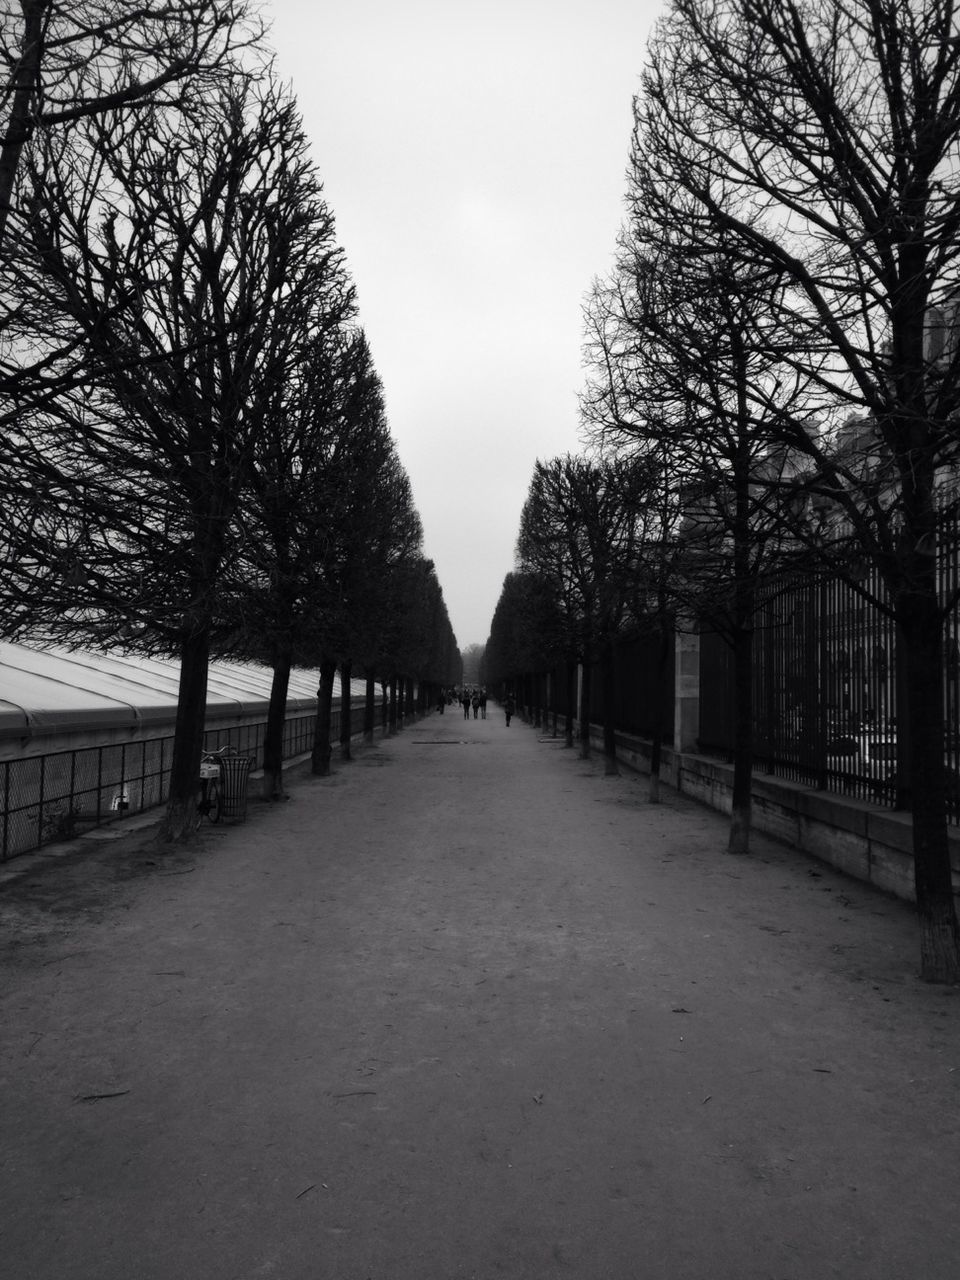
483	704
465	699
475	703
509	707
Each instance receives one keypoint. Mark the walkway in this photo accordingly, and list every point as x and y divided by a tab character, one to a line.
469	1009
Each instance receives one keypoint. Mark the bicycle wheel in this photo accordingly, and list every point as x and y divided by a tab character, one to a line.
214	803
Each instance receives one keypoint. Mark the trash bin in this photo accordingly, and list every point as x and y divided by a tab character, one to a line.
234	772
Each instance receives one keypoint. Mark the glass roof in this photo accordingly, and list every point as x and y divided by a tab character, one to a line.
44	691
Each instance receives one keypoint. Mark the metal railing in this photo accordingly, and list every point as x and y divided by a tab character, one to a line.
827	701
826	707
52	797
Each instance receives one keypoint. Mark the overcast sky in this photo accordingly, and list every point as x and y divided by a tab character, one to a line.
473	154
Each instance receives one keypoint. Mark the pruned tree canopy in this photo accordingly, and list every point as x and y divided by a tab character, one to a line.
65	60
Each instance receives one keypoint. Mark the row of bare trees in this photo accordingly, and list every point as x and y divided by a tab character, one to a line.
779	343
194	447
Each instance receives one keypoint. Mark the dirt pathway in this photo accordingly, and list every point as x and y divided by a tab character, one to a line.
469	1009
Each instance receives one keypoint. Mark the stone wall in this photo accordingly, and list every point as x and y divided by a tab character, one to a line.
860	839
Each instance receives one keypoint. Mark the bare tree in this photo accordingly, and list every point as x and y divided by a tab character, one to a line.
581	529
686	364
284	588
372	529
183	257
823	138
529	635
66	60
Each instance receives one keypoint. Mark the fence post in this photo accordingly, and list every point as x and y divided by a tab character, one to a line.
6	809
686	703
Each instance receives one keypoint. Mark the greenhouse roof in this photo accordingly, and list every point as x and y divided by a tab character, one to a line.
52	690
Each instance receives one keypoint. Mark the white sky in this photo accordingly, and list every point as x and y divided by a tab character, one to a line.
473	153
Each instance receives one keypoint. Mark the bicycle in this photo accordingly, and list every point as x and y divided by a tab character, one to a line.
210	802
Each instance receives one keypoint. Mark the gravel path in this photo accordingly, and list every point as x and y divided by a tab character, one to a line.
467	1008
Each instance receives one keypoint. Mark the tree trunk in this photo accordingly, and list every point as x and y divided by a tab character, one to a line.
656	745
20	121
320	761
744	605
346	708
742	799
586	684
608	685
922	630
369	708
180	820
273	738
653	791
392	714
571	668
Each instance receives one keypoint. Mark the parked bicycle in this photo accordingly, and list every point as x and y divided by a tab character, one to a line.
210	799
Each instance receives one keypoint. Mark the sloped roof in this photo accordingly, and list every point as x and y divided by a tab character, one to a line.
46	691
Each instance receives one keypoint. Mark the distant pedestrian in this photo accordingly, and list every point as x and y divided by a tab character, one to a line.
509	707
465	699
483	704
475	703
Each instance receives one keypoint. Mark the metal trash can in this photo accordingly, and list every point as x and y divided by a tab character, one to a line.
234	772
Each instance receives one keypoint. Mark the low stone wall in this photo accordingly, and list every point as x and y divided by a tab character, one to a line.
863	840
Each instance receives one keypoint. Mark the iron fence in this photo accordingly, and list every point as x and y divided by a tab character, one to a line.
643	680
825	686
51	797
827	706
